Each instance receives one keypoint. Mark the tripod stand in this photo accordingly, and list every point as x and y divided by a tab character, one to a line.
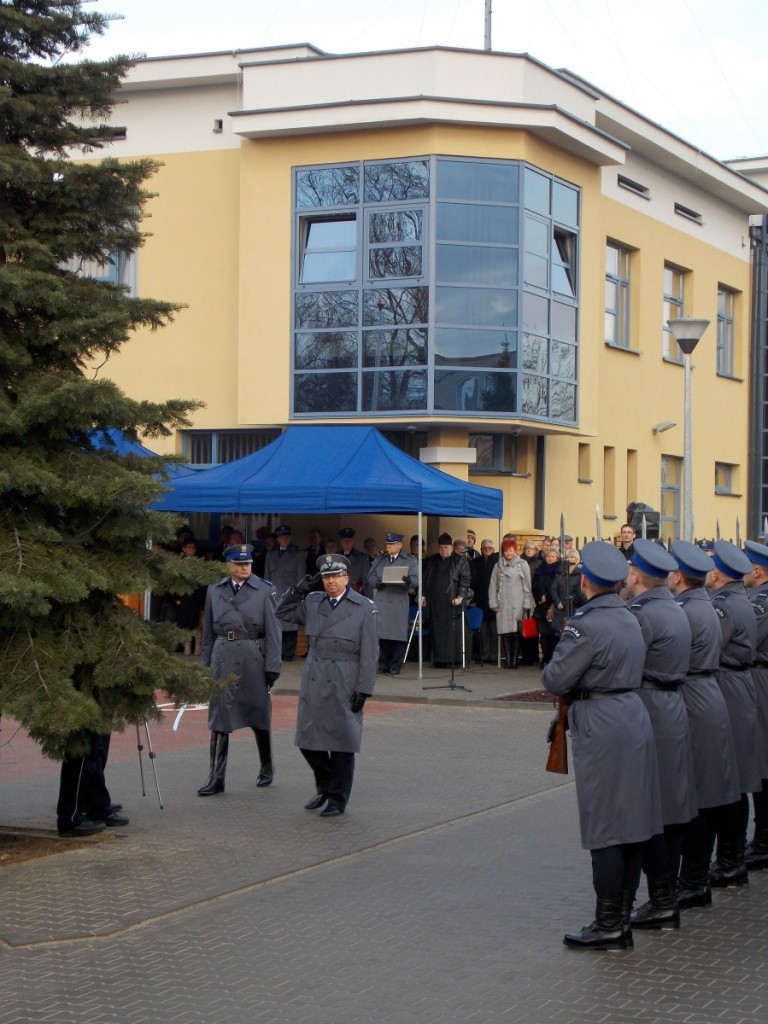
452	684
151	754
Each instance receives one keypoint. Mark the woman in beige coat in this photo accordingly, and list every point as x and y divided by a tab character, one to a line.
510	596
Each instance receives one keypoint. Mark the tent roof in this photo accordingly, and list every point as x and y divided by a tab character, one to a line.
319	469
116	441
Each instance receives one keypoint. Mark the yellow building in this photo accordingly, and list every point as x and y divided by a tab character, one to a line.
469	250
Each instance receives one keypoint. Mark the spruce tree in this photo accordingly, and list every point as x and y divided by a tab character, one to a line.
74	519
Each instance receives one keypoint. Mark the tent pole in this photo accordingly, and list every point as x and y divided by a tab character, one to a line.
420	610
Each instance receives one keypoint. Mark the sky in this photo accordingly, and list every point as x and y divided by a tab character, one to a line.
697	67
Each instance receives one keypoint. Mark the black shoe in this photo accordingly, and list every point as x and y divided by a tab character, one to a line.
757	856
687	899
211	788
115	820
83	828
115	807
331	811
594	937
316	802
265	777
660	918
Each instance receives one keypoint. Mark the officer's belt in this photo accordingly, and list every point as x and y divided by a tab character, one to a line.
318	650
735	668
701	675
232	634
653	684
592	694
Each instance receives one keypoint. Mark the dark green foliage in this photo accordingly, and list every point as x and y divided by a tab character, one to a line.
73	517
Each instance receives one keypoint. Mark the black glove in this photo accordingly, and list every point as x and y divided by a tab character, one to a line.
270	678
357	701
552	727
381	585
304	586
406	579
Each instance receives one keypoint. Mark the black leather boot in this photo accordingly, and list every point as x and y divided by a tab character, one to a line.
730	867
757	850
514	645
627	900
219	752
661	910
606	932
693	885
264	744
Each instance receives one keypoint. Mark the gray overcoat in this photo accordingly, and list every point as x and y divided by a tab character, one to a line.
758	598
510	592
358	568
738	630
341	659
246	703
714	750
284	570
614	752
667	637
392	601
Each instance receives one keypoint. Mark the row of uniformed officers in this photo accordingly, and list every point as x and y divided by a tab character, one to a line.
668	716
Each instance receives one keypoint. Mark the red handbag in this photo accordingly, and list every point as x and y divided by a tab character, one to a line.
530	629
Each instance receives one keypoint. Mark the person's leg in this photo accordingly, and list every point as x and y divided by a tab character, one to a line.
692	888
661	910
757	849
606	931
342	770
320	763
264	745
396	656
219	752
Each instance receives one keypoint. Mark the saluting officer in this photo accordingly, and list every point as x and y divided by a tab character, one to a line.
338	677
756	583
667	637
241	637
392	602
597	666
734	676
714	750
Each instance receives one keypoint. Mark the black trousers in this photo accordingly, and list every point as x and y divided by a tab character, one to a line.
334	771
392	655
83	791
616	869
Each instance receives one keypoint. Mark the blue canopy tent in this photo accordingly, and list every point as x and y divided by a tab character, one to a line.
117	442
317	469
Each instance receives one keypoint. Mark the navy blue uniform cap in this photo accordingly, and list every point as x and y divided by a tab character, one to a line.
690	559
394	538
603	564
283	531
238	553
346	532
730	560
332	565
652	558
756	553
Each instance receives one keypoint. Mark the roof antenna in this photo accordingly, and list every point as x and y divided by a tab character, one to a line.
488	15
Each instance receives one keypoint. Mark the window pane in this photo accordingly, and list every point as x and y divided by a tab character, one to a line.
491	307
396	226
326	309
564	322
611	260
565	204
536	314
325	392
475	392
536	191
563	405
610	328
322	267
535	353
404	261
395	348
472	347
384	306
459	222
474	264
536	270
397	181
537	236
326	351
332	234
394	389
563	360
473	179
483	445
535	394
328	186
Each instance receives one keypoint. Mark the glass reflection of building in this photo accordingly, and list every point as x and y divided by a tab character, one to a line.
435	285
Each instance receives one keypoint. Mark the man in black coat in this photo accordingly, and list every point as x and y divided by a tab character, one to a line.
446	590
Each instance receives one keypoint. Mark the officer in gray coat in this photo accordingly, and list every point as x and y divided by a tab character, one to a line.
337	679
392	602
714	750
734	676
756	583
667	637
241	637
597	667
358	560
285	566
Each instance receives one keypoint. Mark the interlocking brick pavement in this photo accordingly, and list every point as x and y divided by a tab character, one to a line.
441	897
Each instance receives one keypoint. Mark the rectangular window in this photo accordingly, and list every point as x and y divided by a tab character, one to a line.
674	306
726	304
725	478
633	186
671	477
214	447
496	453
632	484
116	268
609	481
617	266
585	463
328	250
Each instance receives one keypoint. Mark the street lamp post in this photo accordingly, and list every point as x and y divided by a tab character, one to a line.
687	332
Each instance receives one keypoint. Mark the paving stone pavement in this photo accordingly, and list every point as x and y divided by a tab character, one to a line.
441	896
